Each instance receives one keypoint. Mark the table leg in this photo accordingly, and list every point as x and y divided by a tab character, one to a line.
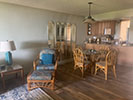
92	68
22	75
3	80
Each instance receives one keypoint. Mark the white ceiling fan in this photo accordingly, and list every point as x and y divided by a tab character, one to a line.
89	18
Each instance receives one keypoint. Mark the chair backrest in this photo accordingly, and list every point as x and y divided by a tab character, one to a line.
47	56
111	57
78	55
74	55
103	54
104	47
47	51
103	50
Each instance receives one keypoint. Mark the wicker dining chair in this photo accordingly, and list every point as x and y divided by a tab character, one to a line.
80	60
45	66
110	60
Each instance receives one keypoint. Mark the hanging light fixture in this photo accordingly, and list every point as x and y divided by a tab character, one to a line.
89	19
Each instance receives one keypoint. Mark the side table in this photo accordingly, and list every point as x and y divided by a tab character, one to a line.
11	70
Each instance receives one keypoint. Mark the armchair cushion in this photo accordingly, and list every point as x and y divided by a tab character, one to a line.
47	51
47	56
41	75
47	59
45	67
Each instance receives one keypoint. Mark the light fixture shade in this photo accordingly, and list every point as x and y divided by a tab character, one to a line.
89	20
7	46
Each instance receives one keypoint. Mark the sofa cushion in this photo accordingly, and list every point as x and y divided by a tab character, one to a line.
41	75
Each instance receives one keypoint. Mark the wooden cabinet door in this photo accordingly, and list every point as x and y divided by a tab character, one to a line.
98	28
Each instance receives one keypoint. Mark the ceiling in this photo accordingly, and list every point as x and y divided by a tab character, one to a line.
76	7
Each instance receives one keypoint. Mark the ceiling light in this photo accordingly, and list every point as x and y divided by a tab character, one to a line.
89	19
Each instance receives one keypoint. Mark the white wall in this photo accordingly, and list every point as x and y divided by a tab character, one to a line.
28	28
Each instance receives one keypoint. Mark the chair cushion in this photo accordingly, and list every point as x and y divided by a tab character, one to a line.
47	59
101	63
45	67
47	51
86	63
41	75
47	56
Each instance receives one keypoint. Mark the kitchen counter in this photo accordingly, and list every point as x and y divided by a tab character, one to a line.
125	56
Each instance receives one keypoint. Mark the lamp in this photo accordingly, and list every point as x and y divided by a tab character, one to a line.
7	46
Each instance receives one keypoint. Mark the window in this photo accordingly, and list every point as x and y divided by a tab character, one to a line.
58	32
124	27
68	32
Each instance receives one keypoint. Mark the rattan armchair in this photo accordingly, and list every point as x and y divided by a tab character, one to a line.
80	60
110	60
43	75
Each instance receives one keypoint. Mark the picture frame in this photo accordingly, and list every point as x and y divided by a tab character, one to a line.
107	31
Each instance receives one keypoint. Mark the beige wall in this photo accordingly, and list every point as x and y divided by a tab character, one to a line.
117	15
28	28
131	31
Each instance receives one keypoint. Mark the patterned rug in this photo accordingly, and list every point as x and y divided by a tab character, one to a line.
21	93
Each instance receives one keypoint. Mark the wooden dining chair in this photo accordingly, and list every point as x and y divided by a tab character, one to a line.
80	60
110	60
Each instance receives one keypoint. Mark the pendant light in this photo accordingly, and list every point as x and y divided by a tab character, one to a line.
89	19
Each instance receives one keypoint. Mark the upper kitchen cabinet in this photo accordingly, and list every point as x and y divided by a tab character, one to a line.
101	28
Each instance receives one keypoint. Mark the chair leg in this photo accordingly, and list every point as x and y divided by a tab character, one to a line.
106	74
74	68
95	70
114	71
28	86
82	70
52	88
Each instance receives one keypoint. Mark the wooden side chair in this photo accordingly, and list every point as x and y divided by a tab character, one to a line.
110	60
45	66
80	60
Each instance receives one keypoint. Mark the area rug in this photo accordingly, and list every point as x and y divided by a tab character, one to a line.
21	93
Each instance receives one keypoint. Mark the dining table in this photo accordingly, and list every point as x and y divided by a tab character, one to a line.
92	56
